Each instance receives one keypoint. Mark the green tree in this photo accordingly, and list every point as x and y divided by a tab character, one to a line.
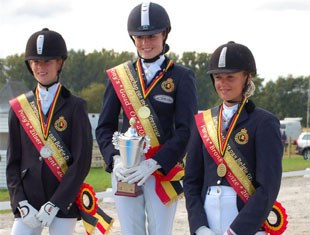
103	60
292	96
16	69
82	69
286	97
2	73
73	74
198	62
85	74
93	95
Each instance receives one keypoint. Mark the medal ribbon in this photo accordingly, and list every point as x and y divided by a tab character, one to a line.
146	90
235	175
46	126
223	143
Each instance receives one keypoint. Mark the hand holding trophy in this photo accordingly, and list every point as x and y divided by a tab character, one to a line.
131	147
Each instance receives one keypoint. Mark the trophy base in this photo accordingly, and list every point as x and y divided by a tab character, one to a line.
128	190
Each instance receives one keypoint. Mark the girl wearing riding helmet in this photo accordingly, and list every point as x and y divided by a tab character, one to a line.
233	168
161	96
47	124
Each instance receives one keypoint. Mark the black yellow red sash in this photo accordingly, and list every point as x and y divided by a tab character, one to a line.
26	110
128	88
238	178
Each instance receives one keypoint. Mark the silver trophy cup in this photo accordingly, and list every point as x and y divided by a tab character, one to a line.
131	147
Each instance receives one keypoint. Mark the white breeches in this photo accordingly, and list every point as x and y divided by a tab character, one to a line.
221	208
58	226
144	214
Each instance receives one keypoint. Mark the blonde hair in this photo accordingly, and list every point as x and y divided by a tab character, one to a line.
250	89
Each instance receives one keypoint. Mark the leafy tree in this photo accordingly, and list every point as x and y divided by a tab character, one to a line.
173	56
109	59
73	74
80	69
198	62
16	69
286	97
292	97
93	95
2	73
84	74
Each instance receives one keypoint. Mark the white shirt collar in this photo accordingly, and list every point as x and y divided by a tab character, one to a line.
47	96
228	113
150	69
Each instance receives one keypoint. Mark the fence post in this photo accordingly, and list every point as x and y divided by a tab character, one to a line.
289	146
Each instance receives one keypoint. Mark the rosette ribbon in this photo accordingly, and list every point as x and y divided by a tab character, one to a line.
92	215
277	225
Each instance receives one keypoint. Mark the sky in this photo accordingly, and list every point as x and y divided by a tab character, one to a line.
276	31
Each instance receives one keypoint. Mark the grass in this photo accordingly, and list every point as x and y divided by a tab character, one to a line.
2	212
100	180
4	195
294	163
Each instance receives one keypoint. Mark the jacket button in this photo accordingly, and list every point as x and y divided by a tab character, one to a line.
68	208
40	158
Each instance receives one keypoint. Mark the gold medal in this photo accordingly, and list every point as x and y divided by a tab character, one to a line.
221	170
144	112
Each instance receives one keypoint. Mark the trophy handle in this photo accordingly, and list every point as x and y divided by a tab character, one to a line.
115	137
147	144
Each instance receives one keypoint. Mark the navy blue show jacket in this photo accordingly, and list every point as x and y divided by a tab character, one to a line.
263	153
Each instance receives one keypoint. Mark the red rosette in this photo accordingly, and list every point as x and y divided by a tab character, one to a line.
86	199
276	222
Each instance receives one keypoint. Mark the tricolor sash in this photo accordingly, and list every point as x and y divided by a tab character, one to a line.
26	110
130	89
239	178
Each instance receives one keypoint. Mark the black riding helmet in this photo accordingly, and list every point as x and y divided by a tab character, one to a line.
148	19
45	45
232	58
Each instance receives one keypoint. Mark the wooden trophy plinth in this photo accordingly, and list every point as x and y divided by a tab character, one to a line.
128	190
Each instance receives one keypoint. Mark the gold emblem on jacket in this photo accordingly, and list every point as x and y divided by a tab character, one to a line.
242	137
168	85
60	124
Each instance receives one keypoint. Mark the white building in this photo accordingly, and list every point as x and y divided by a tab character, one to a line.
10	90
291	126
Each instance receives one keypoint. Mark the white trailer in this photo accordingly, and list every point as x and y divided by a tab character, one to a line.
292	128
